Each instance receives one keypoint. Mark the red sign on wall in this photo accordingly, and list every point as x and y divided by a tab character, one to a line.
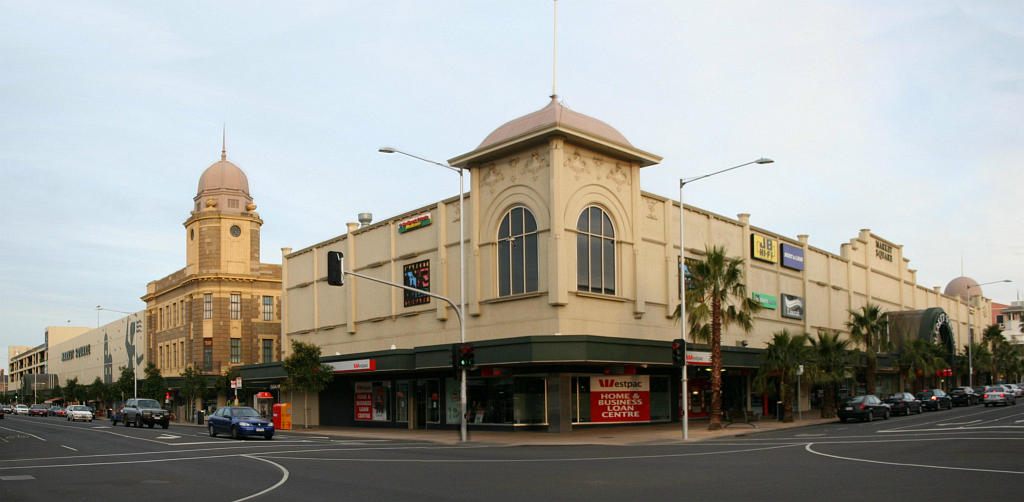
624	398
364	401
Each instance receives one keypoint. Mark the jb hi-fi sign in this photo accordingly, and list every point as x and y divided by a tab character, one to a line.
620	398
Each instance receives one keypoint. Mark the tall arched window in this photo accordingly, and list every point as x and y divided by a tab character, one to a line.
595	252
517	252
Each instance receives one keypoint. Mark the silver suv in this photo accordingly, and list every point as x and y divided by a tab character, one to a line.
145	411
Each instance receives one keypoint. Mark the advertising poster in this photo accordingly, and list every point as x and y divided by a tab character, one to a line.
765	301
792	257
764	248
792	306
416	275
364	401
621	398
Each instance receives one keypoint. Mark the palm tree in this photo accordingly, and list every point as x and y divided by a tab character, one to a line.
830	362
716	299
919	357
781	358
981	360
870	328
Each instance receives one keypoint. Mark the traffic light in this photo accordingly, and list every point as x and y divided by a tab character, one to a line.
335	268
678	352
468	356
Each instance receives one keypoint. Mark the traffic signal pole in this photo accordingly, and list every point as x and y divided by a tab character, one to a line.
340	272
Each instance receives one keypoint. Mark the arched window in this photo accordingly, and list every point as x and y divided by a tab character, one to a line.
595	252
517	252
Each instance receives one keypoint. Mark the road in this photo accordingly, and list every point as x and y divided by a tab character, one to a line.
965	453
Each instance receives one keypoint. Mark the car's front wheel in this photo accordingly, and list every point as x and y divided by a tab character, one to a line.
234	433
213	433
869	417
138	421
885	415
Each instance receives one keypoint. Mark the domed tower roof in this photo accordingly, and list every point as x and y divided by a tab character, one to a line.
555	120
958	287
224	187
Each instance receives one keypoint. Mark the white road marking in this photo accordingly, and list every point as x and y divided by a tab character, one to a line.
280	482
960	423
24	477
68	447
22	432
168	436
950	429
926	466
809	435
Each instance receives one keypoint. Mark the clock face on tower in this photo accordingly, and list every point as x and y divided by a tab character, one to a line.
235	231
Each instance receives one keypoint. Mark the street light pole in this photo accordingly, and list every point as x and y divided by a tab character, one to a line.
682	285
970	332
131	360
462	277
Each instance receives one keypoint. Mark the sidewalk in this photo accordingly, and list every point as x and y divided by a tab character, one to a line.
610	435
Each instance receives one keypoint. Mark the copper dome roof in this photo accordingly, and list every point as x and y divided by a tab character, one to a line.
223	175
958	287
554	114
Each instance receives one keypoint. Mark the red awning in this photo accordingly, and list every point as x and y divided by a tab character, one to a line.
264	395
54	400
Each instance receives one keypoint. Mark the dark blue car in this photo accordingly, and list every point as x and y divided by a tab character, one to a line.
239	421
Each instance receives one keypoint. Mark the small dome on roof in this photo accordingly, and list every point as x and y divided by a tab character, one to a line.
223	175
554	114
958	287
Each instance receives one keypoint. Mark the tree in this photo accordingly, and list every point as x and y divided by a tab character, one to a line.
993	336
72	390
716	299
306	373
97	390
153	385
869	327
56	391
124	387
193	386
830	362
920	357
781	358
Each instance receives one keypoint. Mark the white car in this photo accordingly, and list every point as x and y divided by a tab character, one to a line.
21	409
77	412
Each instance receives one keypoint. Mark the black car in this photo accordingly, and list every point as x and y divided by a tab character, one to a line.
864	408
904	403
964	396
935	399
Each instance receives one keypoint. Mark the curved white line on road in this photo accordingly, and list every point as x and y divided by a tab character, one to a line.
926	466
283	479
524	460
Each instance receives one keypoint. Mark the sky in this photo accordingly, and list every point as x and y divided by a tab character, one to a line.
899	117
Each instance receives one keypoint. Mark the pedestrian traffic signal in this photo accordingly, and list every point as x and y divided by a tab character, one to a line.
456	357
335	268
678	352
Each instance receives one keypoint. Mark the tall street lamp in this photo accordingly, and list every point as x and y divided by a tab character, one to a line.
131	359
682	282
462	276
970	332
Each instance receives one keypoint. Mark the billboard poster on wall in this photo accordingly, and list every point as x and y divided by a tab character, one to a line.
765	301
792	306
792	257
416	275
620	398
764	248
371	401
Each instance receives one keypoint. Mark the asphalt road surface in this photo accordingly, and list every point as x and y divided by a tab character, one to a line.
972	453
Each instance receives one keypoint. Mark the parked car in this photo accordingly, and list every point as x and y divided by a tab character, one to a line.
964	396
239	421
935	399
904	403
979	390
139	412
998	394
55	411
38	410
77	412
8	409
1018	391
2	412
21	409
865	408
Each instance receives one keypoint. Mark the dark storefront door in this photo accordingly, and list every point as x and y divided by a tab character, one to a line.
428	403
